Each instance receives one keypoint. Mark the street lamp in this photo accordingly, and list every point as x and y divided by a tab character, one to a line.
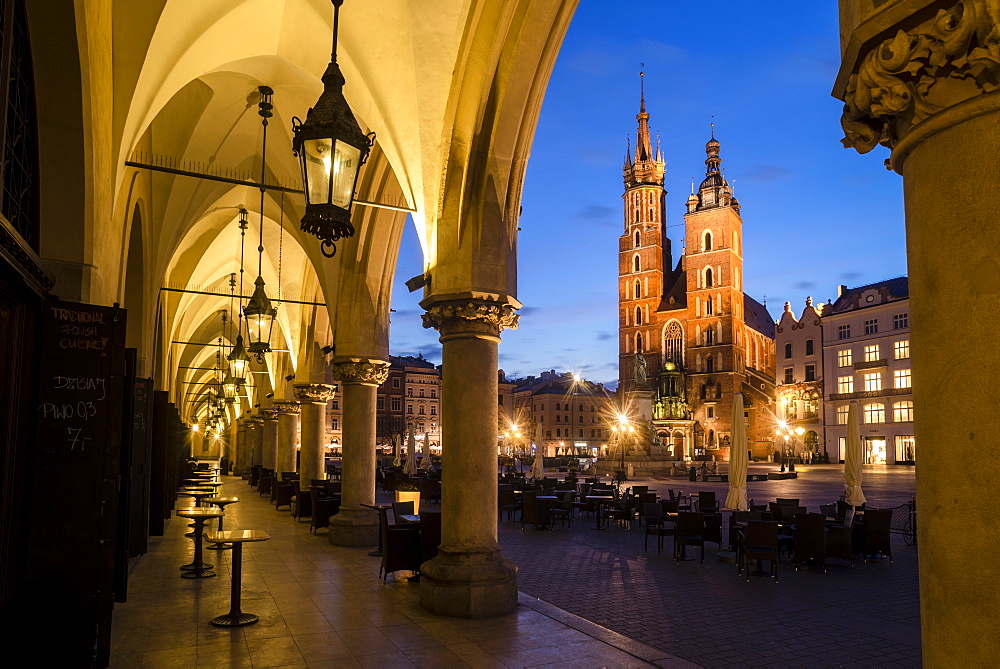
787	431
331	148
621	432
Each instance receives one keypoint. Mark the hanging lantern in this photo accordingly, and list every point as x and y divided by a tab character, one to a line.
259	315
331	148
238	360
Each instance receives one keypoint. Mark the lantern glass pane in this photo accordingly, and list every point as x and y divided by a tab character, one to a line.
239	366
346	161
317	164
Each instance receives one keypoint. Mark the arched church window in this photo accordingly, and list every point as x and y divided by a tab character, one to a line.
674	344
709	364
708	277
638	343
636	263
637	239
718	390
637	214
638	315
651	213
708	307
709	336
638	290
708	241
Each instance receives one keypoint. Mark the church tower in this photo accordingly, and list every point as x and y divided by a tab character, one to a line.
715	330
643	255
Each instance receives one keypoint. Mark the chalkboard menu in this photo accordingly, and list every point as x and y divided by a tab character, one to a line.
75	470
82	355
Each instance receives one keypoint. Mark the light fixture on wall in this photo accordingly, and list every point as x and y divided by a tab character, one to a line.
331	148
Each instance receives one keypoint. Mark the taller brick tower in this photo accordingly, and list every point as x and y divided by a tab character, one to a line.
643	253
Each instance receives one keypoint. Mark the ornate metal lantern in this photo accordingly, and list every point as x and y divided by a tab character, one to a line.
331	148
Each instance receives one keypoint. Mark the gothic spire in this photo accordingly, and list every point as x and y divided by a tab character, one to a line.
643	149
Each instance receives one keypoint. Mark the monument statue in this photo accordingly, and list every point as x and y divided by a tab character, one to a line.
641	374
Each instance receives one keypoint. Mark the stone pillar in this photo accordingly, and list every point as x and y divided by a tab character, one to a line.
288	433
232	446
920	77
469	578
313	397
270	438
360	378
257	440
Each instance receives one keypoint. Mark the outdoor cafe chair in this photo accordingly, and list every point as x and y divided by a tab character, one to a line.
707	502
654	521
401	547
400	509
303	504
506	501
713	528
735	519
284	492
839	539
810	541
563	510
760	543
690	531
828	510
877	523
683	501
787	501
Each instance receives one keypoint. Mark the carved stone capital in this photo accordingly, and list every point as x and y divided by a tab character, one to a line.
366	371
921	71
287	407
313	393
478	316
253	422
269	414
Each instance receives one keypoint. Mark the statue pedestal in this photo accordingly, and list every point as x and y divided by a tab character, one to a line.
640	405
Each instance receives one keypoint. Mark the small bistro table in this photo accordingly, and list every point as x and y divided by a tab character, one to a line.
197	568
221	502
237	538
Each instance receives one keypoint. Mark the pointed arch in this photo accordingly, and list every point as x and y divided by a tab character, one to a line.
673	343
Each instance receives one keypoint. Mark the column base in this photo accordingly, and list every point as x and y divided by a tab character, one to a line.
468	584
354	528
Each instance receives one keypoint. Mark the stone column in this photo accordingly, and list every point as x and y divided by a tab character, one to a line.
360	378
232	446
920	77
270	438
288	432
313	398
469	578
257	440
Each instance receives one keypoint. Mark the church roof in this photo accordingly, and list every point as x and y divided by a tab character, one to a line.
755	315
675	283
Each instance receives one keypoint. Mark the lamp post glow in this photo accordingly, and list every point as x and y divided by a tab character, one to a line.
331	148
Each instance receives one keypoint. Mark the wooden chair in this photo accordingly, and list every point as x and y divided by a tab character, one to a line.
401	509
264	483
810	541
760	543
713	528
506	501
323	508
840	539
787	501
690	531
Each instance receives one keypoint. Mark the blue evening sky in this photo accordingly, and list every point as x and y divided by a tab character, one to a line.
815	215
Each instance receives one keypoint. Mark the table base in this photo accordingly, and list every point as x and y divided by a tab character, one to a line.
234	619
194	566
198	574
219	547
376	553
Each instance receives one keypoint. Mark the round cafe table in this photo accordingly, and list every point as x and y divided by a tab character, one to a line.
197	568
237	538
600	501
221	502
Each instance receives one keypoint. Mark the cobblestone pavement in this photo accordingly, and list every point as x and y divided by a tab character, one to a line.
861	616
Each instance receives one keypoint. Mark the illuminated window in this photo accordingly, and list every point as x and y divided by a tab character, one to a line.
900	321
871	353
902	412
844	358
842	415
810	408
874	413
901	349
871	326
901	378
873	381
845	384
843	332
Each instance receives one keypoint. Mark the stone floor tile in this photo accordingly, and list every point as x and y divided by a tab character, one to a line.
321	646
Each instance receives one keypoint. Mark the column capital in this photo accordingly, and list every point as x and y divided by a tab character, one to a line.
269	414
898	73
366	371
287	406
313	393
477	315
